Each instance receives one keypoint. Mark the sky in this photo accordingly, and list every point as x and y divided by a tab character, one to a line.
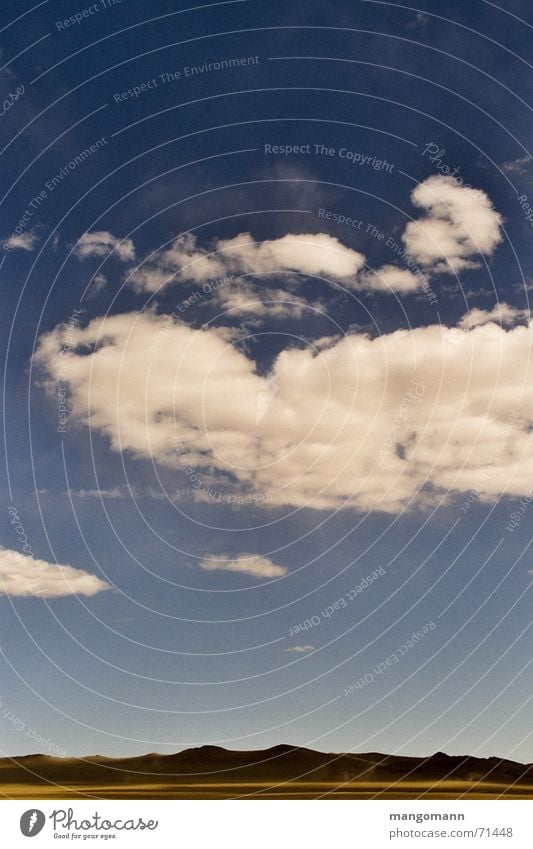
267	409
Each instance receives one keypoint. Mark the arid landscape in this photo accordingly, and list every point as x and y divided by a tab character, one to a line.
282	772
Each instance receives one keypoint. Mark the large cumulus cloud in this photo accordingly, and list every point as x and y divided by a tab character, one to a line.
371	423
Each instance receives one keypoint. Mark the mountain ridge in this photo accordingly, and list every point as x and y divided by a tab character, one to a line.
280	762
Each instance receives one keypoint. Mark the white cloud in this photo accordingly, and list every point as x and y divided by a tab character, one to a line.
243	300
301	649
181	261
22	241
312	254
517	166
248	564
390	278
502	313
25	576
98	283
345	427
102	243
460	224
116	492
421	20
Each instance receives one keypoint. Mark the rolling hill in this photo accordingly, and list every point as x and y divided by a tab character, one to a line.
280	772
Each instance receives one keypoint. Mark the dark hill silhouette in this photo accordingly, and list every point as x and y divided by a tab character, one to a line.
213	766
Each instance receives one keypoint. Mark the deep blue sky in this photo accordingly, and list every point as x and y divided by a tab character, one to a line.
174	655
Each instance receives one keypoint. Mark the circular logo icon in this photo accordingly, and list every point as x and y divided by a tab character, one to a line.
32	822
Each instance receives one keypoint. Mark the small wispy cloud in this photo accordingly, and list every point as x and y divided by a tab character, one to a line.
98	283
517	166
301	649
247	564
502	313
102	243
116	492
22	241
421	20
